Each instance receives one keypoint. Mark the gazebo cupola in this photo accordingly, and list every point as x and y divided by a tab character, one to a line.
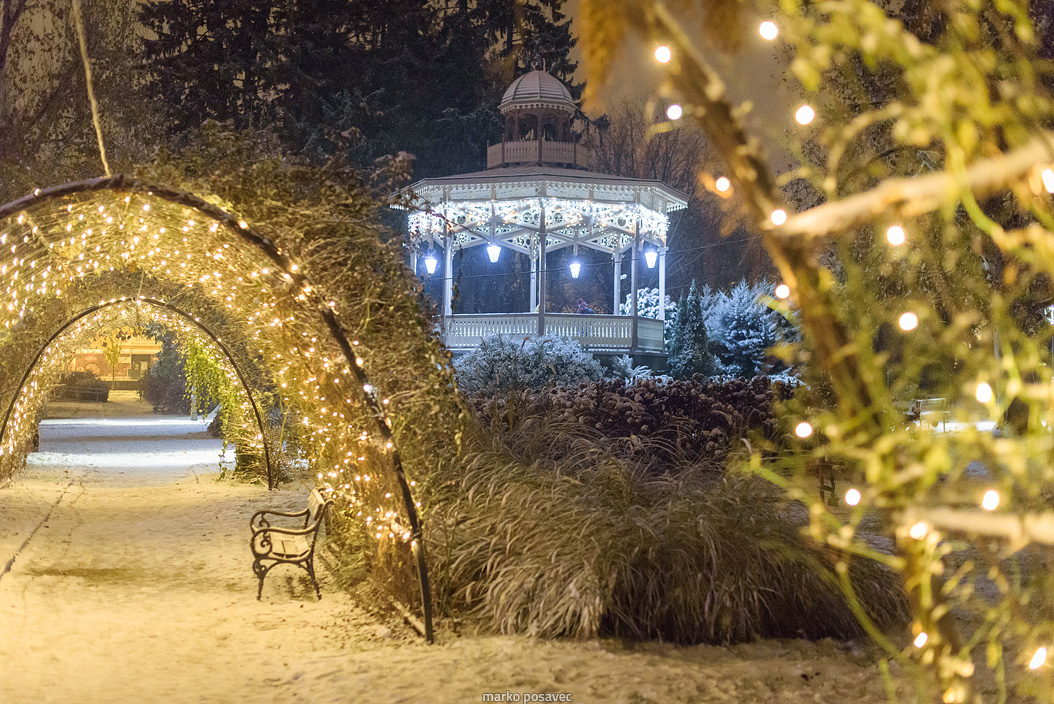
538	112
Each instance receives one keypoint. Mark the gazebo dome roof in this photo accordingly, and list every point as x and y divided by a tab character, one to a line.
537	89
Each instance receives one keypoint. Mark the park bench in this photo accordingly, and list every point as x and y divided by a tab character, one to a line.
280	545
934	410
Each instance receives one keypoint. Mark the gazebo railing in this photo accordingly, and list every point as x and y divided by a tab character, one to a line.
602	333
537	150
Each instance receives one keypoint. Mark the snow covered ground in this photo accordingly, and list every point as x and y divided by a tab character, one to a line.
125	577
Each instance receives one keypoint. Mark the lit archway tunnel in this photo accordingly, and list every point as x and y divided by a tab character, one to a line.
120	314
290	311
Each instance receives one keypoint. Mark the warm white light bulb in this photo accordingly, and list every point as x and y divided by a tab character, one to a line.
430	264
768	30
663	54
651	256
778	216
852	497
805	115
803	429
576	268
984	392
1038	659
493	251
918	531
674	112
895	235
1048	180
783	291
991	500
921	639
909	321
722	184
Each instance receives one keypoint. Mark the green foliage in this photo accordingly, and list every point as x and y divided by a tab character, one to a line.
46	131
743	328
663	427
83	386
931	117
690	352
353	78
164	385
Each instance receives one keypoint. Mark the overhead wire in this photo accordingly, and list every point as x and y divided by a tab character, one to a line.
584	266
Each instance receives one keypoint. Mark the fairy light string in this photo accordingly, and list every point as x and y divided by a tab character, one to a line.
897	450
59	242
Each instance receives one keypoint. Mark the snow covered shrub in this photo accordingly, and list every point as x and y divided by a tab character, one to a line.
648	307
84	386
689	347
742	328
665	426
506	363
622	367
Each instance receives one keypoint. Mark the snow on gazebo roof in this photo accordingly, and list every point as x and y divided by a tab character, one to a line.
537	89
527	193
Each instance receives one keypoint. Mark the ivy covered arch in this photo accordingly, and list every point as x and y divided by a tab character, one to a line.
150	244
22	406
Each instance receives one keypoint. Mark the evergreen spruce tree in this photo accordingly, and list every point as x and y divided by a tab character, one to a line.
690	350
743	330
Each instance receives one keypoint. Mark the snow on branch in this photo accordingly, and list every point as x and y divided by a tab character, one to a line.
911	197
1018	530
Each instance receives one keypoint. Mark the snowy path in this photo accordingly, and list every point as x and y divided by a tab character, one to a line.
125	577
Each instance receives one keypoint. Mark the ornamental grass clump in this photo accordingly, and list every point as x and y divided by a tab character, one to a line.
544	530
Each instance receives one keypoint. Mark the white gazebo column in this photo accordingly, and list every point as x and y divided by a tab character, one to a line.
618	280
662	283
413	259
448	276
633	340
532	303
543	273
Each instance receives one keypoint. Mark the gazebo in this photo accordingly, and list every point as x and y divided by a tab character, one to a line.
535	198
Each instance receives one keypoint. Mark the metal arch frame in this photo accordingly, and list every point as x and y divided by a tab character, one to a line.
157	304
240	229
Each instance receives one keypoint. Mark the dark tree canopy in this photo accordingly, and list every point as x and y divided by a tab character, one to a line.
378	76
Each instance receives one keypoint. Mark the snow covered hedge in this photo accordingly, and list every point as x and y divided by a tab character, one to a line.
665	422
506	363
648	307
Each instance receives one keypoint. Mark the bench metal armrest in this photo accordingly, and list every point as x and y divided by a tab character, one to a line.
261	544
286	531
262	516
